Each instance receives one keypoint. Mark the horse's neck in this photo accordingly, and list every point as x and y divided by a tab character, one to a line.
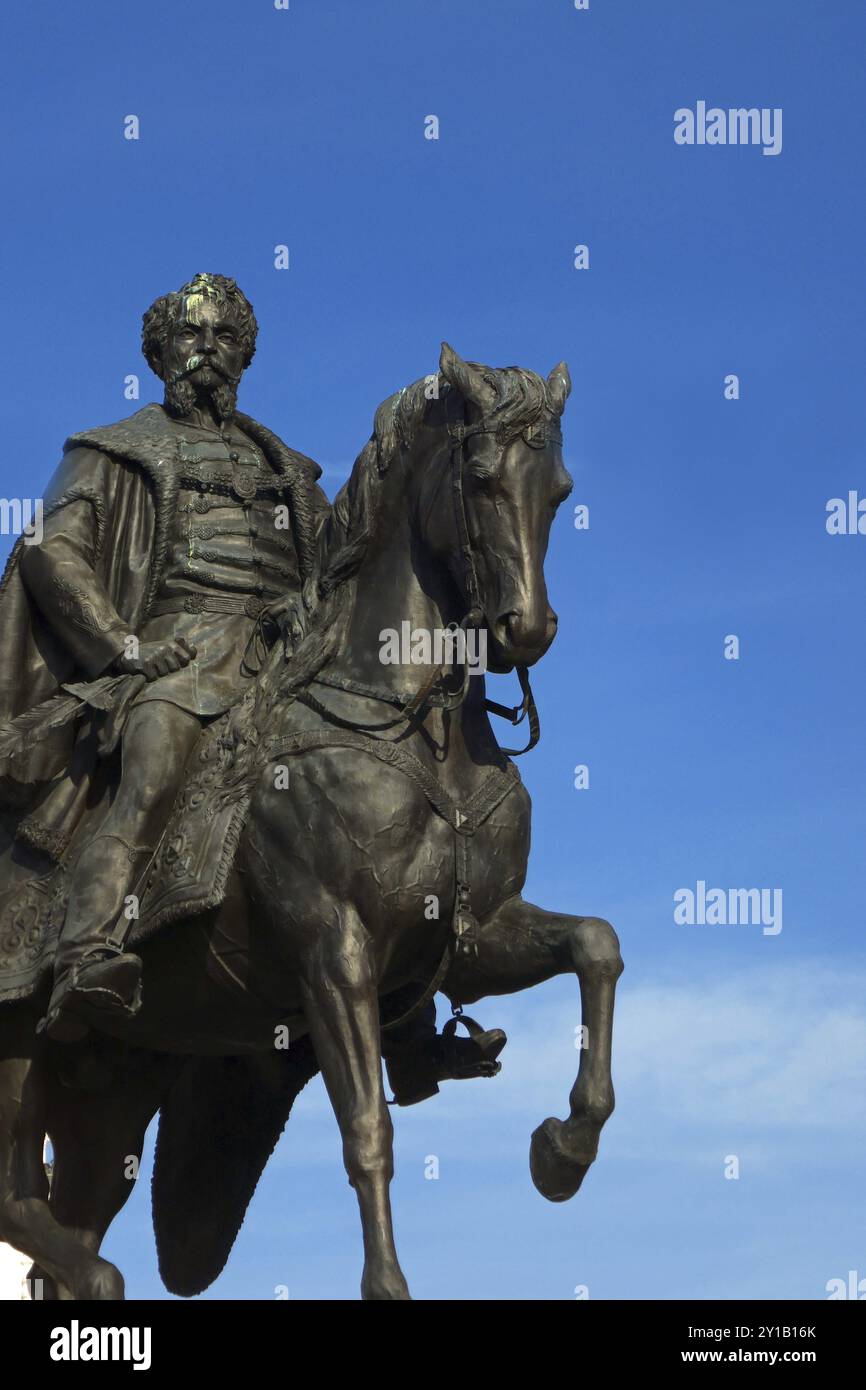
399	590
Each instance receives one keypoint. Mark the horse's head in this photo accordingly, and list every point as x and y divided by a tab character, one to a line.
507	480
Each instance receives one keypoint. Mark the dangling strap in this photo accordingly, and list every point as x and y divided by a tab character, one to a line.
516	714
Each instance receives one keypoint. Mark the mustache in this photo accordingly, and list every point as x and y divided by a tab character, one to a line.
196	361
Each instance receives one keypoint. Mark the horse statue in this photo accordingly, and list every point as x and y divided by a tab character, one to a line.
379	839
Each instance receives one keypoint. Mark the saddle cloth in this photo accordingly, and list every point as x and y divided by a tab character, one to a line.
187	875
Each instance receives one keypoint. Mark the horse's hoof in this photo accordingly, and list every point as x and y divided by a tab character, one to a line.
556	1171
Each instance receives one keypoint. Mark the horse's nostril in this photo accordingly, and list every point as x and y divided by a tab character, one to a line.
510	625
516	629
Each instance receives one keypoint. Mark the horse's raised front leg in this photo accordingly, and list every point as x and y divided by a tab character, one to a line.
522	945
341	1004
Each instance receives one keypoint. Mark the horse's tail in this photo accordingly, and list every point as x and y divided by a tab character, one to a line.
217	1129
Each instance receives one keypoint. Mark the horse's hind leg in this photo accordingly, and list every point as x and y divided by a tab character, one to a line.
97	1138
26	1221
340	995
522	945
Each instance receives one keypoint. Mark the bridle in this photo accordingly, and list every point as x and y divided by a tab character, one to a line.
413	709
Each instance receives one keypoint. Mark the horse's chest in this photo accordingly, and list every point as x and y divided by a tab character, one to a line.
496	855
383	836
492	859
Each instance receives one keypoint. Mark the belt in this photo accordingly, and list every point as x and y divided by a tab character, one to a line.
250	604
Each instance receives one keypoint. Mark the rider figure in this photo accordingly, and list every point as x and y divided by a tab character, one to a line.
217	557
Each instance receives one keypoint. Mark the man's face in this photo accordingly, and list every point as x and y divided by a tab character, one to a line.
204	347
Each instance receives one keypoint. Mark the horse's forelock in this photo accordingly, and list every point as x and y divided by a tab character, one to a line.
521	399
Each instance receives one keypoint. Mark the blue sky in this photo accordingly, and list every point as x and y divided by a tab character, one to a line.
707	518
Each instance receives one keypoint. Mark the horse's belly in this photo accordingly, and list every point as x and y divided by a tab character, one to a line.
212	986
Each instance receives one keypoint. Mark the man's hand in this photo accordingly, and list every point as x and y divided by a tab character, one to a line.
157	659
291	614
285	614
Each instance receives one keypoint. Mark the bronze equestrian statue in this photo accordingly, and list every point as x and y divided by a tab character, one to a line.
346	837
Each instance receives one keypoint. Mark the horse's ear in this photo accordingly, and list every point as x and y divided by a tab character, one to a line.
558	387
468	377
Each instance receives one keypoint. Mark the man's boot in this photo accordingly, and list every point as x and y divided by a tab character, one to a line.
417	1058
94	977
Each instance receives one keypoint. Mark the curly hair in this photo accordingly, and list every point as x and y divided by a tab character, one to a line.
163	312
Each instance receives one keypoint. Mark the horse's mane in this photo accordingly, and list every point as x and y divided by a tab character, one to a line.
321	614
351	524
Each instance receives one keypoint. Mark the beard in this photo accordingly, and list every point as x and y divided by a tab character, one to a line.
181	395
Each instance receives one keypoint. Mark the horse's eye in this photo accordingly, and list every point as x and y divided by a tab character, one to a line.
485	483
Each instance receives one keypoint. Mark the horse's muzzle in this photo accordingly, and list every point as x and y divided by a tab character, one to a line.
518	641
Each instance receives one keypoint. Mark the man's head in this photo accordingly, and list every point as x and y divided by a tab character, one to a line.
199	341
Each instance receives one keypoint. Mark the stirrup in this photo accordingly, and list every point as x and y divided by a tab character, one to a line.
473	1056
